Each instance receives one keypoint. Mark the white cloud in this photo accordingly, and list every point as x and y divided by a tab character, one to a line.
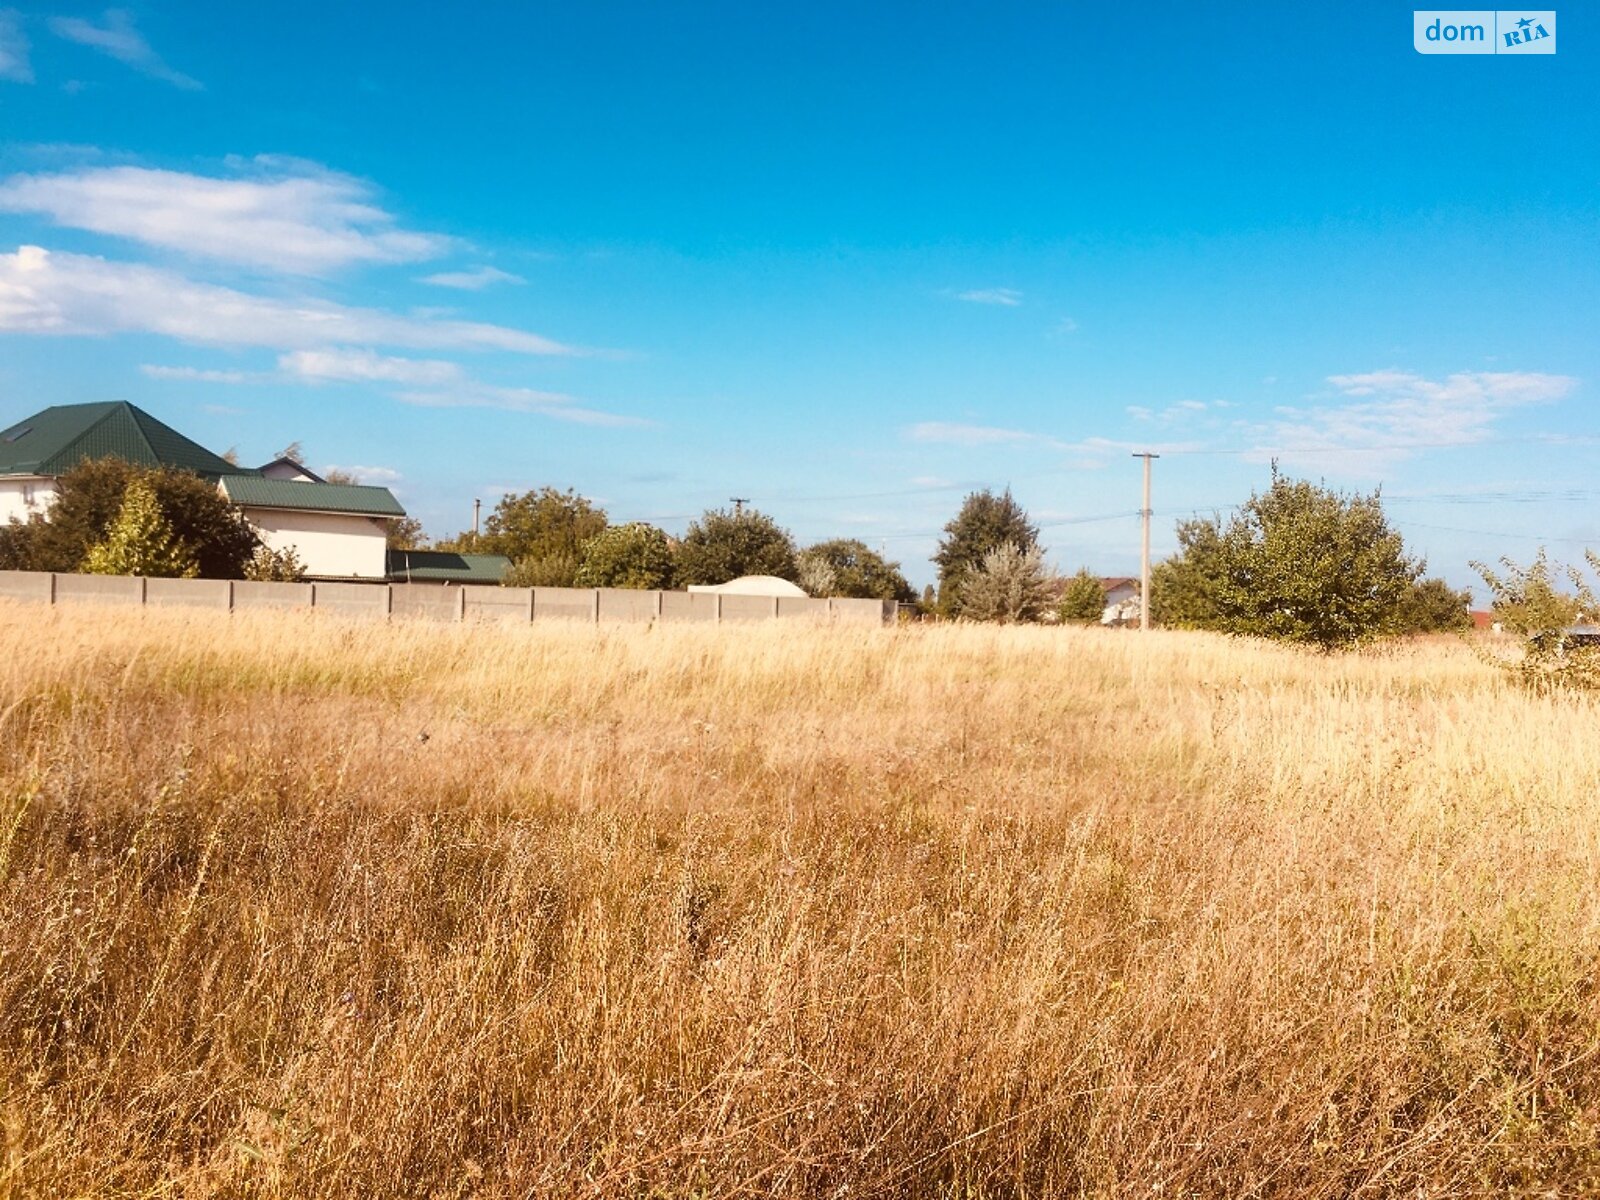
472	281
365	366
1009	297
14	64
43	292
1066	325
526	400
956	434
200	375
1395	413
118	38
292	218
367	475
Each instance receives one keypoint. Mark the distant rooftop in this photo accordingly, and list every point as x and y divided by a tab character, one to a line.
252	491
436	566
55	440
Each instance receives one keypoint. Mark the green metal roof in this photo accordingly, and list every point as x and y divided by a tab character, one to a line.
428	566
54	441
252	491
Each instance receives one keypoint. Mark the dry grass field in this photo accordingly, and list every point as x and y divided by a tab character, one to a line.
293	907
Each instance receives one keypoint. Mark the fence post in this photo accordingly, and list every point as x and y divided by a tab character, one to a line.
312	595
144	590
719	608
531	594
774	608
230	595
461	603
388	602
594	606
657	614
52	587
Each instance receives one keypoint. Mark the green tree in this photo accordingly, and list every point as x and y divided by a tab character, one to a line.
848	567
1433	606
1528	600
1298	562
404	533
1083	600
635	555
89	499
724	545
141	541
542	531
984	523
1010	585
275	566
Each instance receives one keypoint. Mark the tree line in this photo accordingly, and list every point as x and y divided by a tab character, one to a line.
1297	562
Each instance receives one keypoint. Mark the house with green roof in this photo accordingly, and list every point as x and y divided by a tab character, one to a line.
338	531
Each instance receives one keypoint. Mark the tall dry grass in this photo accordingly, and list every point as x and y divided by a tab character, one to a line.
299	908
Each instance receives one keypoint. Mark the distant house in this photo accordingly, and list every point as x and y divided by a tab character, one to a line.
338	531
1122	600
441	566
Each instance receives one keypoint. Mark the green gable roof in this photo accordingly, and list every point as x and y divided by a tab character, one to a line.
252	491
428	566
54	441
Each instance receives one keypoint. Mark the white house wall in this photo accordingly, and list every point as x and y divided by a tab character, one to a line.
23	497
329	545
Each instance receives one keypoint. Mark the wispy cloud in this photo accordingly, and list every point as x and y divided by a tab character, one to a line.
287	216
1392	414
117	37
44	292
367	475
200	374
525	400
365	366
14	63
950	433
1009	297
474	280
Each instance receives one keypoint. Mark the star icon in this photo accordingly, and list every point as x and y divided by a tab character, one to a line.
1524	23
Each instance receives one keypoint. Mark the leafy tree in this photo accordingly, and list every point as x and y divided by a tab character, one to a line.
635	555
850	568
405	533
544	527
929	600
724	545
275	566
986	522
1084	599
1010	585
1433	606
1298	562
1528	600
141	541
89	499
546	570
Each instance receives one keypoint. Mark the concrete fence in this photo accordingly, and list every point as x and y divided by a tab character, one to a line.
425	601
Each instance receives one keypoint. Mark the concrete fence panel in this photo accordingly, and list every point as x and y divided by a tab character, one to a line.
688	606
424	600
190	593
813	607
748	608
27	585
352	599
498	603
99	589
873	611
571	604
250	593
627	604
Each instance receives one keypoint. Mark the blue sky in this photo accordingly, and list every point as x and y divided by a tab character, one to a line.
848	261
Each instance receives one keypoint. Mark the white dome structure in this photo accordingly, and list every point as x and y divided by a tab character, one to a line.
753	585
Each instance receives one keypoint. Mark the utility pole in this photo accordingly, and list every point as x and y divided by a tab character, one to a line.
477	507
738	504
1144	553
